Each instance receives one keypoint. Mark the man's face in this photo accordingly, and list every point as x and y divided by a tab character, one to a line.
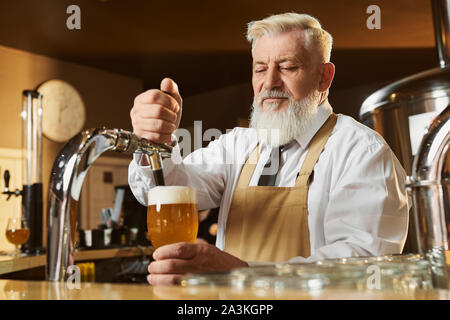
284	62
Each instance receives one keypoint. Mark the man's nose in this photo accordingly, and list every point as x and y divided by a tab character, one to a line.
272	79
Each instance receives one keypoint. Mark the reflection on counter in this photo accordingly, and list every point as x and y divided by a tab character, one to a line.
37	290
41	290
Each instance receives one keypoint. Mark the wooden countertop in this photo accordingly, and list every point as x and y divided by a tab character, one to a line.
12	264
42	290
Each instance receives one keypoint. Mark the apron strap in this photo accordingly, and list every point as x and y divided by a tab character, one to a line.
315	149
249	168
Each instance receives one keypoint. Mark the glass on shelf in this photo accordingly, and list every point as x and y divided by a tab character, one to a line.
17	233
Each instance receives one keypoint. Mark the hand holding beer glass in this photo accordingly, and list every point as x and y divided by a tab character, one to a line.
172	215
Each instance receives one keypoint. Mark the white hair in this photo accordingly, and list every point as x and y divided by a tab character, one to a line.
280	23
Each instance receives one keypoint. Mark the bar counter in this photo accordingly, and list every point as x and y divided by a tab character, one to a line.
43	290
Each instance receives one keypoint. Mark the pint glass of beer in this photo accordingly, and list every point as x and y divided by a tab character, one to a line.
172	215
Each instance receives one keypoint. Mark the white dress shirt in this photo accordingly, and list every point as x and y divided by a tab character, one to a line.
357	203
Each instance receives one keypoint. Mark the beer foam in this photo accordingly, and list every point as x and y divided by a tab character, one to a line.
171	194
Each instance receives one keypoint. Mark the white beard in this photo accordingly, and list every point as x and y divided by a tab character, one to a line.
278	128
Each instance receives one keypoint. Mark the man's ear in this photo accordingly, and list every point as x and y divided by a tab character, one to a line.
327	76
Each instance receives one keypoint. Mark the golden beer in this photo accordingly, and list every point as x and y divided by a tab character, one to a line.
18	236
172	215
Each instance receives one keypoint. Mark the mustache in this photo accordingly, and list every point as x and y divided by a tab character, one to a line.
272	94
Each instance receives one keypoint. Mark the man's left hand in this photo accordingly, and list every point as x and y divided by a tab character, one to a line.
174	260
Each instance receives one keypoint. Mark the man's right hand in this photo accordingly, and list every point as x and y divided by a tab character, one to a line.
156	114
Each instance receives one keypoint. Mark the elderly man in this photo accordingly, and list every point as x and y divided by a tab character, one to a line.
336	191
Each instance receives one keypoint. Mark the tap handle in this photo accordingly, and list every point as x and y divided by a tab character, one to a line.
6	176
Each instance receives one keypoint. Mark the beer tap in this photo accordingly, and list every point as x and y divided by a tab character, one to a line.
155	153
16	192
66	179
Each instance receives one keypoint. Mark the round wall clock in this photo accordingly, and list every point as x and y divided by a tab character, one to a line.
63	110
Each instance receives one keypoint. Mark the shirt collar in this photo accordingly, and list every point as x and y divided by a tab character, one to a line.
323	112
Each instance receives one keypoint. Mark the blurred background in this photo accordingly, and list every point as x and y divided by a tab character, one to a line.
126	47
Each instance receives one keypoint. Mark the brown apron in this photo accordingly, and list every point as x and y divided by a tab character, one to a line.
271	223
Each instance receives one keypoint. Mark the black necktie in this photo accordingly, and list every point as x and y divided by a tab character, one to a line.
268	179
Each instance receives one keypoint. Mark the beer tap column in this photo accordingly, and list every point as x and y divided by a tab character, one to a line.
66	179
32	204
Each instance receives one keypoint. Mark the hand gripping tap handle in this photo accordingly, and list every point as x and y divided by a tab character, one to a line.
156	161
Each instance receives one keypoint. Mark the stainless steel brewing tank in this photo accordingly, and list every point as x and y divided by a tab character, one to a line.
430	187
402	111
